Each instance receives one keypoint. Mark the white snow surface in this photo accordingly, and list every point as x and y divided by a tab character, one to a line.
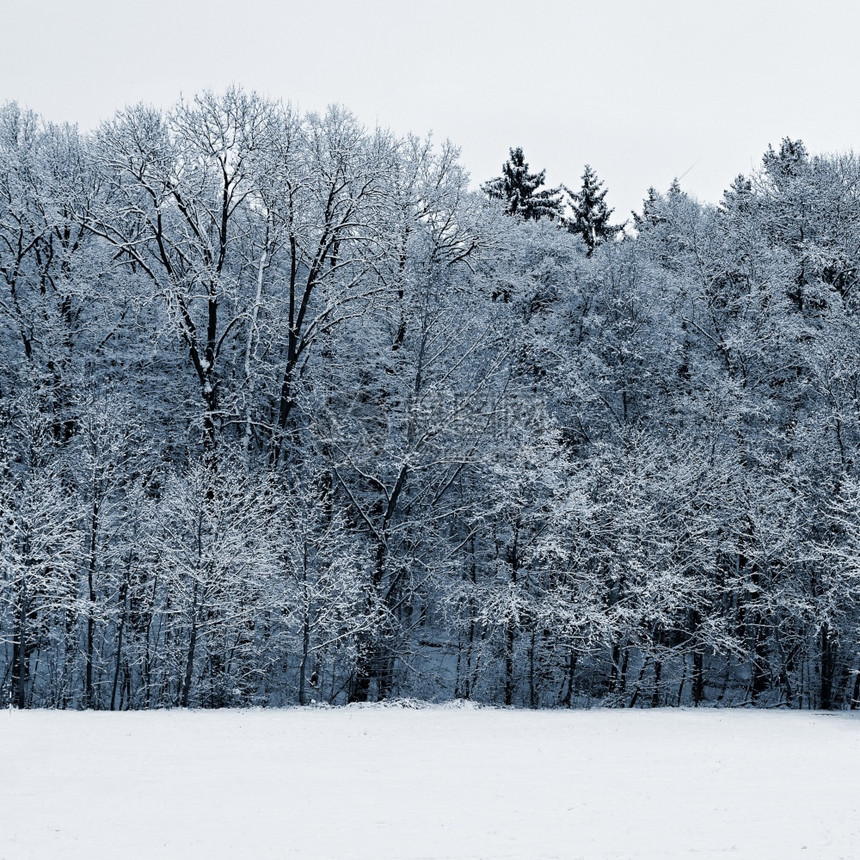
437	782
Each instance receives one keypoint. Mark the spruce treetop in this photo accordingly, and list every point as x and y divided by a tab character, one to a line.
590	214
520	190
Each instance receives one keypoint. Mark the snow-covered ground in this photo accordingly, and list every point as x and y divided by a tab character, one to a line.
429	783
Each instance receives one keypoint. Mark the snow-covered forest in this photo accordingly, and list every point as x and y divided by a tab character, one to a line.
289	414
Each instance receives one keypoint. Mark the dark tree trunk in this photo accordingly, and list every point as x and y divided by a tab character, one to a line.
827	669
510	635
20	657
698	678
89	693
755	631
658	671
303	666
571	674
123	613
189	662
533	694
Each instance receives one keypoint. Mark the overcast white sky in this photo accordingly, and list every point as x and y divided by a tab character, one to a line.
644	90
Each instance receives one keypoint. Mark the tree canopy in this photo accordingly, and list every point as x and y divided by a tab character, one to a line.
288	414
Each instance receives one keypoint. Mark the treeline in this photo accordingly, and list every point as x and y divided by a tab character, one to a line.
287	413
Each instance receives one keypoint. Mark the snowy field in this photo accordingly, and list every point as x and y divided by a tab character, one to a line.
429	783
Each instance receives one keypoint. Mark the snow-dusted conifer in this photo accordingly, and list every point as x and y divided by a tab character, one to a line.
589	213
521	191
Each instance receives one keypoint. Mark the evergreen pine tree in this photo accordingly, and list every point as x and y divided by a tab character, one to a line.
590	214
519	189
